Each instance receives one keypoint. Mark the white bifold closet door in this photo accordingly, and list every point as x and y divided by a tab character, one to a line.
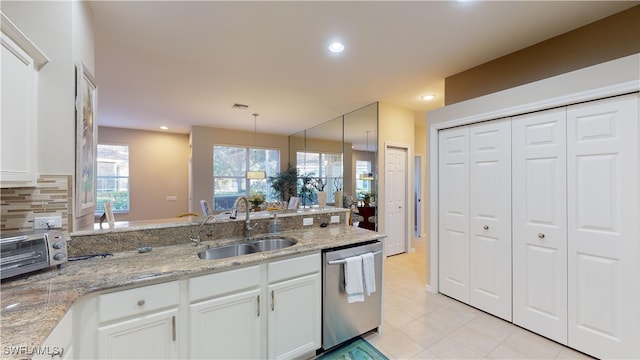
453	212
540	223
603	230
490	217
475	215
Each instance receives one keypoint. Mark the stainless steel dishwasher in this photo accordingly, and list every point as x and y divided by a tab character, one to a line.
341	320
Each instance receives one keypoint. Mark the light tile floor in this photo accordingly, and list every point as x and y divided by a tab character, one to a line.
421	325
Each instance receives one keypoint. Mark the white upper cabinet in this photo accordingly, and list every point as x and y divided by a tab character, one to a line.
20	61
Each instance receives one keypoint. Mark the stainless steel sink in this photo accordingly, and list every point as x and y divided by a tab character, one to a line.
227	251
251	247
272	244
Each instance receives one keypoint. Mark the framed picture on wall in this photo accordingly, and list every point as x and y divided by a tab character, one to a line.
86	140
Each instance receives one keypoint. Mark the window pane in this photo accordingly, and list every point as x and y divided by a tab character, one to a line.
226	190
112	177
229	161
362	168
230	164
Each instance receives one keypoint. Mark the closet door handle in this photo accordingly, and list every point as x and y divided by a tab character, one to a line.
258	306
541	235
273	305
486	227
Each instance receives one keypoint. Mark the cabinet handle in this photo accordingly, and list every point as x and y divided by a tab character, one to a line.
141	302
541	235
486	227
173	328
258	306
273	305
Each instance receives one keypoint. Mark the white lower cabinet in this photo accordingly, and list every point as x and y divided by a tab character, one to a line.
59	344
225	315
295	312
270	310
151	336
243	314
139	323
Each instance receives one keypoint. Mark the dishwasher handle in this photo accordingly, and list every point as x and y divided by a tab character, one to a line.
342	261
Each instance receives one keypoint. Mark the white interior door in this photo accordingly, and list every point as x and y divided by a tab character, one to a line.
540	223
396	200
453	209
603	246
490	217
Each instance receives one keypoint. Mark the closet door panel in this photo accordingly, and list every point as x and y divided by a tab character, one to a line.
604	281
490	217
539	223
453	163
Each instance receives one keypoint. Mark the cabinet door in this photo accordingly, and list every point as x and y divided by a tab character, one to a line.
294	317
151	336
539	223
19	116
603	246
453	212
490	217
226	327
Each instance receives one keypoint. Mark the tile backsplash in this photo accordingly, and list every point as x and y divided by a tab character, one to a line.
52	196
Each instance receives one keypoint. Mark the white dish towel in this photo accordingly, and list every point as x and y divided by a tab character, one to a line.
369	274
353	279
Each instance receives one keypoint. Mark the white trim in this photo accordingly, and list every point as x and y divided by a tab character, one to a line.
13	32
624	70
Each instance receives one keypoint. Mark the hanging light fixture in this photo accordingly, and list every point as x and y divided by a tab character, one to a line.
255	174
367	176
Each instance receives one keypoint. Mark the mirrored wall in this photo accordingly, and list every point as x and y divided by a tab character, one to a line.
339	159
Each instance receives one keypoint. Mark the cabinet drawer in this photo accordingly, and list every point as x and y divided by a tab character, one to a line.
294	267
138	301
224	282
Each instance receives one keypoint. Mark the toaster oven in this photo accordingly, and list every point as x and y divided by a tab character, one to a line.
23	252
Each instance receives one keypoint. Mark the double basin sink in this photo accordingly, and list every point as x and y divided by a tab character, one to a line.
244	248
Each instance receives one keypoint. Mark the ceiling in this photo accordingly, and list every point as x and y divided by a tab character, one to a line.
185	63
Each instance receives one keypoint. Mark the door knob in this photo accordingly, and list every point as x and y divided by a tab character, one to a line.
486	227
541	235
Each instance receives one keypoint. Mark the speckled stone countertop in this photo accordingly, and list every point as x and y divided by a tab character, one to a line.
33	305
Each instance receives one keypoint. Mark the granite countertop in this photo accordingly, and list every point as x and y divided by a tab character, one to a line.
33	305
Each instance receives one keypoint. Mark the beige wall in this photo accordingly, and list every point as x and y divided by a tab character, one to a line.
202	141
396	128
610	38
158	167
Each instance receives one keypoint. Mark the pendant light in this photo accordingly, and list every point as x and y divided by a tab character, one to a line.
255	174
367	176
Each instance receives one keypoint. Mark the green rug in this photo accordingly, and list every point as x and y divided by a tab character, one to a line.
358	349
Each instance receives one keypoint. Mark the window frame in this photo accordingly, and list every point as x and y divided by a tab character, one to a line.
249	151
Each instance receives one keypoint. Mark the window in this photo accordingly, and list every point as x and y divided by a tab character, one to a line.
362	168
113	178
230	164
324	167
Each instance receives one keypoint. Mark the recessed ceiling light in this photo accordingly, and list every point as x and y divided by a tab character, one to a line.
164	128
336	47
427	97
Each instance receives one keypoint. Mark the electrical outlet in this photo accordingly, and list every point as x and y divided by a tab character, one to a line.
335	219
50	222
307	221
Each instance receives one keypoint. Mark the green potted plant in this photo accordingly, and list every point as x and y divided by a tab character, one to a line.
284	184
256	199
